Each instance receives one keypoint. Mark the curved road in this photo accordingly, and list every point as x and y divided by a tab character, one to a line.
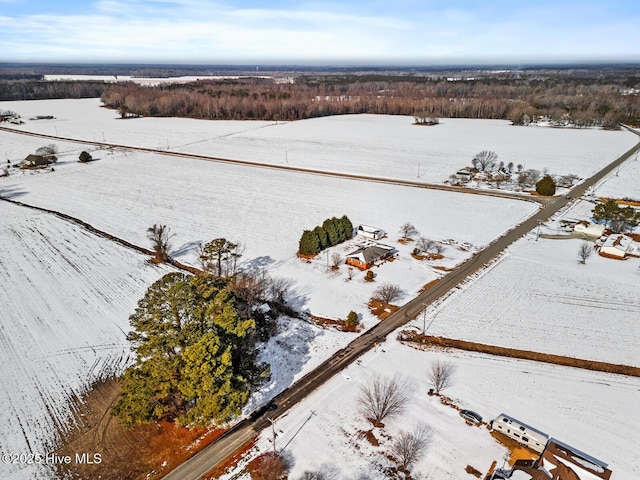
205	460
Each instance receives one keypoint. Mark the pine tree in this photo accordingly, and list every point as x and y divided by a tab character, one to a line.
347	226
323	238
309	243
546	186
329	226
352	320
195	356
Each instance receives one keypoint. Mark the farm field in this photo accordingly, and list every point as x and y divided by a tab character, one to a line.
539	297
378	145
66	297
594	412
90	286
623	185
126	193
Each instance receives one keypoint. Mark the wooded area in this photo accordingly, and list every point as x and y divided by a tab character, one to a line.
575	102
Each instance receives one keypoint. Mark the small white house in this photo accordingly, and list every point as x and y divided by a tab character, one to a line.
616	246
370	232
464	175
588	228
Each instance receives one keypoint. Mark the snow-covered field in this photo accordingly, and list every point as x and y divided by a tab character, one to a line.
266	210
623	183
594	412
539	297
380	145
66	297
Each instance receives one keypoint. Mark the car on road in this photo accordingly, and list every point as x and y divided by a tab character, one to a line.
471	416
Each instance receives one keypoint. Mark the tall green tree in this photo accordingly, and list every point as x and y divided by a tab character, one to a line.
546	186
329	226
215	253
323	238
309	243
189	340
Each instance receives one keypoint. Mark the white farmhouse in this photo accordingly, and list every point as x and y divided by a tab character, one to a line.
588	228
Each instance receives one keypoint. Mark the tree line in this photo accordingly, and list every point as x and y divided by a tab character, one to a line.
332	232
520	100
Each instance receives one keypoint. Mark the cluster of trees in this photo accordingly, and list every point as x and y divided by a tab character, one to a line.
196	355
521	99
34	90
616	218
49	152
332	232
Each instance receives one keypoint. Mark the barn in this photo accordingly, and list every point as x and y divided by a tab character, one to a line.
616	246
370	232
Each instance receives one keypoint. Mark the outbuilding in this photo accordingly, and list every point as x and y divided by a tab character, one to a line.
588	228
616	246
370	232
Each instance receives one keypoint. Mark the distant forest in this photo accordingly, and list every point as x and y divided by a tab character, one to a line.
582	99
578	102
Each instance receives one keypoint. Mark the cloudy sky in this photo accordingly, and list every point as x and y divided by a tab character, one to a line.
338	32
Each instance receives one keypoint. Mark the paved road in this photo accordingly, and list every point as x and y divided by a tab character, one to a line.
288	168
202	462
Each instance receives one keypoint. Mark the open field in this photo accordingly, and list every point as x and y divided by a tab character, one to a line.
379	145
539	297
594	412
267	210
66	297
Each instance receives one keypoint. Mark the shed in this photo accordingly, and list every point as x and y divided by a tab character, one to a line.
365	257
616	246
370	232
588	228
465	175
34	161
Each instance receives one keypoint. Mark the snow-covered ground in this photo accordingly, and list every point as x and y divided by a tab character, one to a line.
594	412
623	183
66	297
380	145
267	210
539	297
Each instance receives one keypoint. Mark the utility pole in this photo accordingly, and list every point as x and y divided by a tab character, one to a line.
424	318
273	430
538	232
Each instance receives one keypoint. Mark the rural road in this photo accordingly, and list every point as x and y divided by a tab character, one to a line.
205	460
249	163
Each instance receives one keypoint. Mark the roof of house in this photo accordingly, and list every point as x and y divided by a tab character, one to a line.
371	253
621	242
574	452
368	229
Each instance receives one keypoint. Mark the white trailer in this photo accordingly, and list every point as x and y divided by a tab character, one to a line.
520	432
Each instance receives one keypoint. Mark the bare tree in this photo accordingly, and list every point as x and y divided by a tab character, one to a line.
485	160
425	244
440	375
336	259
519	167
407	448
384	397
160	236
387	293
499	178
584	252
438	248
350	273
510	166
250	286
407	230
48	151
278	287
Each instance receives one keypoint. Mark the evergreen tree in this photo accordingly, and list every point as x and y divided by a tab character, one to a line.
323	238
309	243
546	186
329	226
189	338
347	227
352	320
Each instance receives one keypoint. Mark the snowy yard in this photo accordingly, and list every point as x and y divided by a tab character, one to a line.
594	412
